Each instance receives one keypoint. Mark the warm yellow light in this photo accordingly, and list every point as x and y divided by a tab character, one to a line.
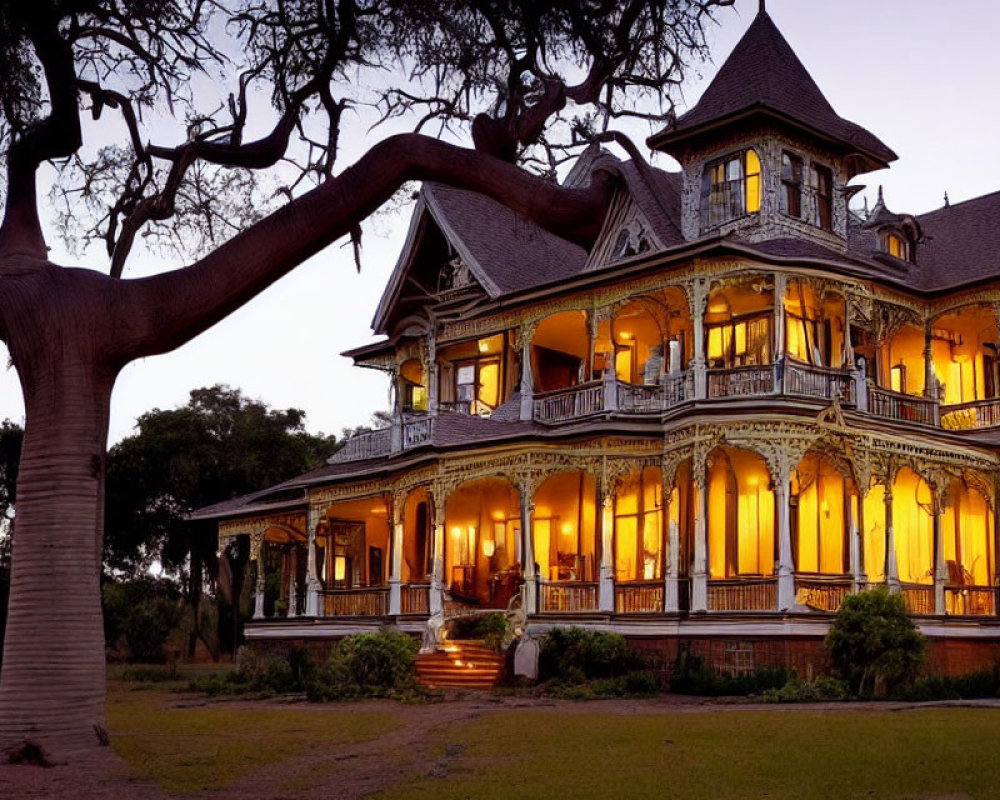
753	480
489	548
484	346
498	516
625	336
378	510
339	568
567	528
456	532
717	308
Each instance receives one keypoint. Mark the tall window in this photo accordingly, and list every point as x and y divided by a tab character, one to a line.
791	185
822	187
739	343
731	188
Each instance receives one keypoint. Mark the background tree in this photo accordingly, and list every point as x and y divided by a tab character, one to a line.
506	69
218	446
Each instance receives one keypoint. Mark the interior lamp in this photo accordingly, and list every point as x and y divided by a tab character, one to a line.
340	568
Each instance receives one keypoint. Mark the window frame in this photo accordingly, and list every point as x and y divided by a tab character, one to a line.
822	216
719	202
791	184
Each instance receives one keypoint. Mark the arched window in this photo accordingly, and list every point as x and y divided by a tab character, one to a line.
731	188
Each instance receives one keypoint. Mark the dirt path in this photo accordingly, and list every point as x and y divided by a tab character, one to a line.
360	769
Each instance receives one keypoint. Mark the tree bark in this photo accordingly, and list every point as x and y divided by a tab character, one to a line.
52	684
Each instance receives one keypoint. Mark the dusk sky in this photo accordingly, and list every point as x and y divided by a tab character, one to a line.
919	74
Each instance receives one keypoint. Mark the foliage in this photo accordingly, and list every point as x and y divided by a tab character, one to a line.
691	675
641	683
983	683
141	615
823	689
574	655
361	665
873	644
494	629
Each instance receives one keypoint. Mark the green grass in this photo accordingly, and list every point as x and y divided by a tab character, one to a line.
208	747
843	754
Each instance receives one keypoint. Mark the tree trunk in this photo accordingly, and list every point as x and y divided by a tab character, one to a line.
52	685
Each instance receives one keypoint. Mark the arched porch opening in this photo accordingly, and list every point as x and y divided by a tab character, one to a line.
739	337
418	537
352	557
640	545
283	561
741	527
964	347
968	532
482	528
560	351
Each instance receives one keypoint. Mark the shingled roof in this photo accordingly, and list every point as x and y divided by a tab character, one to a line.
763	76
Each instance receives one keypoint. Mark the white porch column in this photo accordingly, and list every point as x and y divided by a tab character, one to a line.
855	512
293	568
529	589
433	390
527	375
436	598
940	567
606	588
780	287
699	569
697	293
257	546
312	573
396	562
848	346
786	566
671	591
891	567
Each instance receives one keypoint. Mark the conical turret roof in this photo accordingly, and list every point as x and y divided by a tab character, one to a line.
764	77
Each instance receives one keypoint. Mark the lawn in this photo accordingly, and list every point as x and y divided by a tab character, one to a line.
502	749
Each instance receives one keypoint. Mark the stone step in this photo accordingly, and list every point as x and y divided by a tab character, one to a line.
461	664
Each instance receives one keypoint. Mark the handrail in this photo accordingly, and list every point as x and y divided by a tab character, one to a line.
971	415
900	406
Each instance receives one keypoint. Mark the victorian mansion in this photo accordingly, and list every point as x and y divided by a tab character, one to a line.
743	403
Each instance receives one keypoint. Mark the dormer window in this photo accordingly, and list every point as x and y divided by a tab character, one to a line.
791	185
731	188
895	246
821	180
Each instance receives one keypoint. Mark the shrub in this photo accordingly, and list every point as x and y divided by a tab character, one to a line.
985	683
873	643
494	629
823	689
573	655
691	675
378	660
141	614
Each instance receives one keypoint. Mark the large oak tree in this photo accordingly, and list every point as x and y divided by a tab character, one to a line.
508	72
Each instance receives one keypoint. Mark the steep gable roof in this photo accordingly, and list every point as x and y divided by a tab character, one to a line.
960	243
764	76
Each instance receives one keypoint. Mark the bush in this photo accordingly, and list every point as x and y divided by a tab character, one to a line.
874	645
494	629
823	689
574	655
985	683
691	675
141	614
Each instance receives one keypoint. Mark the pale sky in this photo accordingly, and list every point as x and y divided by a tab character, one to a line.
919	74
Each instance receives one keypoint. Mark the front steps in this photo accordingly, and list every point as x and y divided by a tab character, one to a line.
459	665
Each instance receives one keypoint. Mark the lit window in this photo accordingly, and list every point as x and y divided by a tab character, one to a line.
822	186
731	188
897	378
895	246
791	185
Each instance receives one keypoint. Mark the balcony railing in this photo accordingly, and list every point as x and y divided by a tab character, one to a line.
361	446
417	431
919	597
641	597
567	597
902	407
970	416
355	602
743	595
414	598
820	592
752	381
977	601
574	402
806	380
673	390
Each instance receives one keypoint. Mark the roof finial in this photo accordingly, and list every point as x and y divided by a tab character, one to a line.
763	9
946	202
880	198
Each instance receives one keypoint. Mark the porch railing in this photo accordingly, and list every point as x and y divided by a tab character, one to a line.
806	380
570	596
641	597
902	407
638	398
919	597
978	601
743	595
417	431
820	592
752	381
414	598
969	416
574	402
355	602
361	446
